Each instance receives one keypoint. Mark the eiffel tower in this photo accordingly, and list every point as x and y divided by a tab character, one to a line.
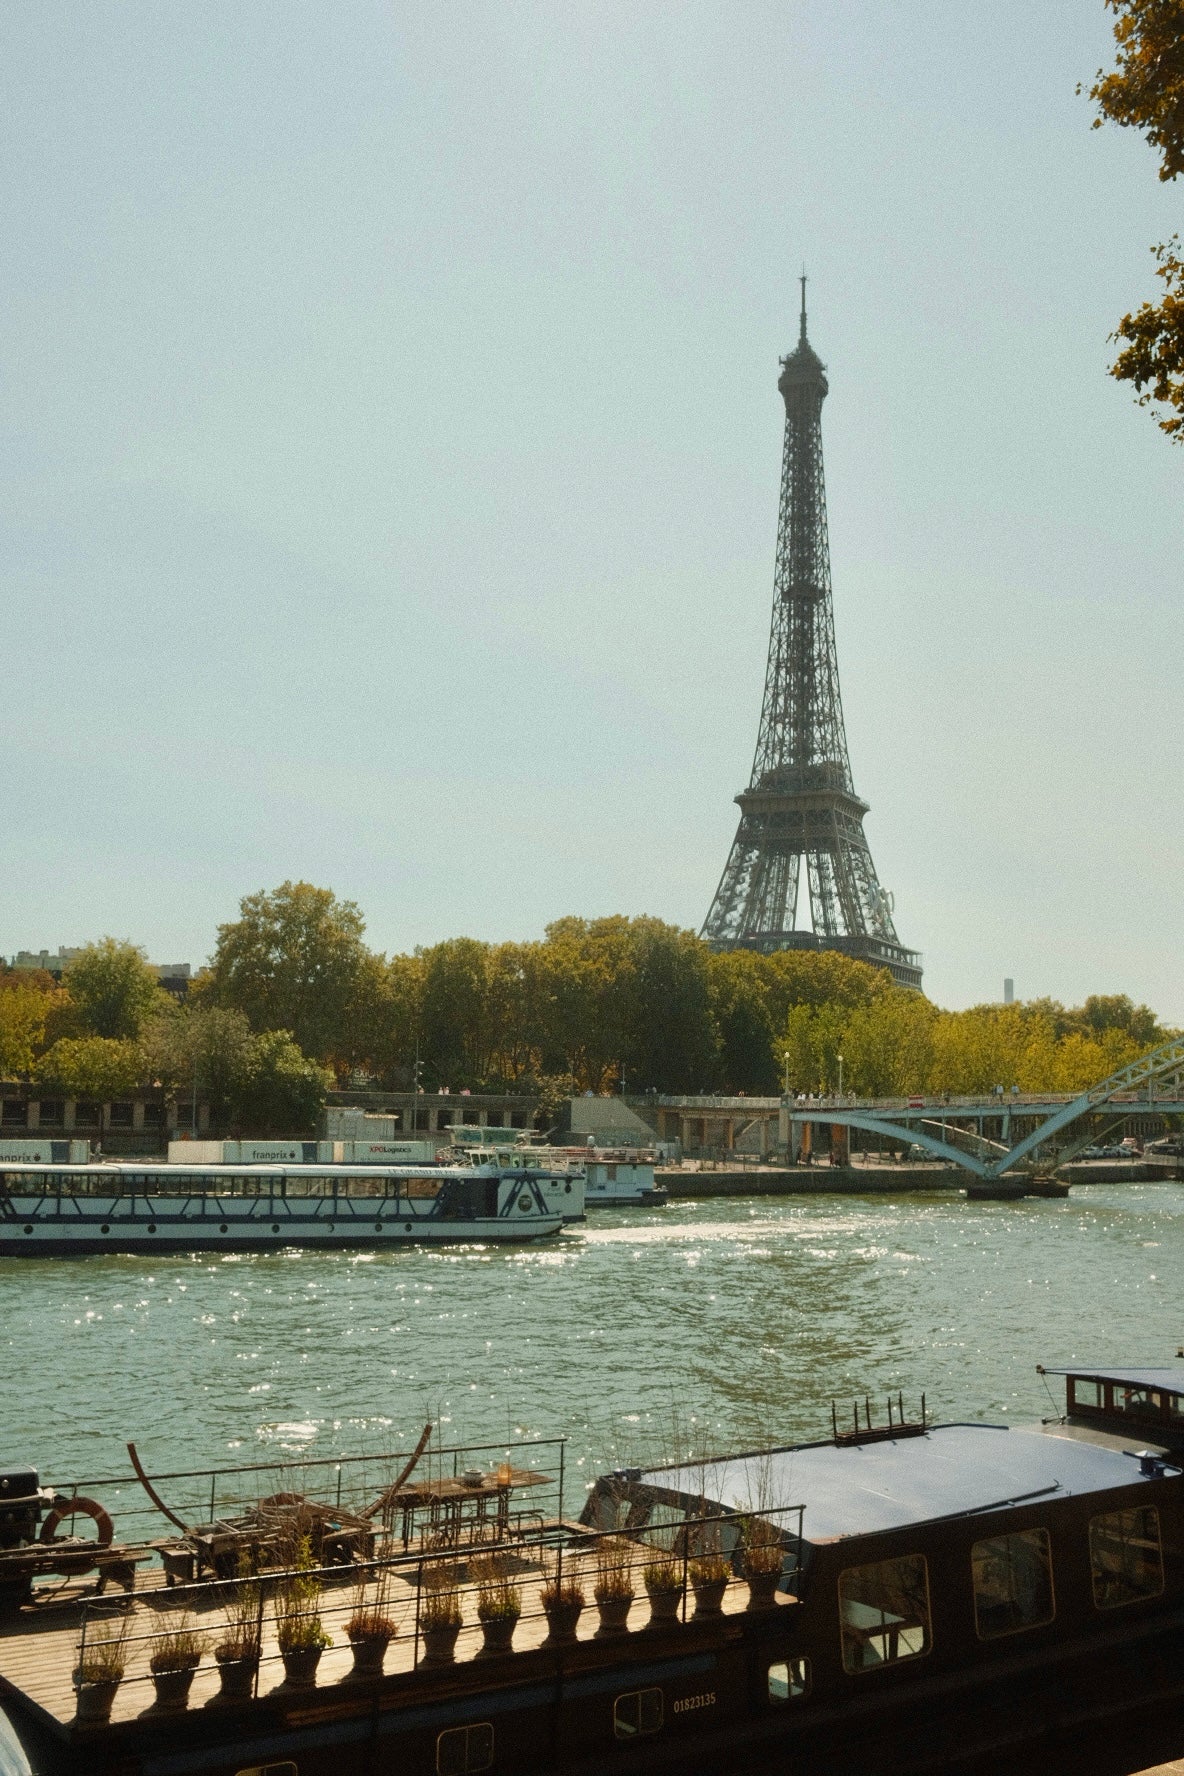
800	802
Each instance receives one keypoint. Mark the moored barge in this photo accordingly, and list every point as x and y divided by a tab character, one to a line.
903	1598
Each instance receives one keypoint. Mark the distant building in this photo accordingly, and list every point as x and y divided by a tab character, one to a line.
174	977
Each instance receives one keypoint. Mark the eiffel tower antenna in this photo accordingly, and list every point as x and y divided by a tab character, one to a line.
800	802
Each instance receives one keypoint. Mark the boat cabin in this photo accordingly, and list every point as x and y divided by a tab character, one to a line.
1146	1404
943	1551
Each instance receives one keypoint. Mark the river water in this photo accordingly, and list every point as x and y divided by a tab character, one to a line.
715	1323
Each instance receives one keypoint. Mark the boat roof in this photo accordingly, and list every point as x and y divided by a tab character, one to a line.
953	1470
1171	1378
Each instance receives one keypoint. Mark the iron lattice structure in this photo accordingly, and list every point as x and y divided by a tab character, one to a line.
801	803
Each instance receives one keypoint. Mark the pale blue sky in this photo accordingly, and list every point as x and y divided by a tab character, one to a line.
391	449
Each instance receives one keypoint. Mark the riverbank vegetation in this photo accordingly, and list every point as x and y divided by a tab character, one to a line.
294	1001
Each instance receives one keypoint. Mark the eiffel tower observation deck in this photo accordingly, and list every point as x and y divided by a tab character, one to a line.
801	803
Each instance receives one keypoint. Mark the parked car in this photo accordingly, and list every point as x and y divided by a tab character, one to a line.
1166	1144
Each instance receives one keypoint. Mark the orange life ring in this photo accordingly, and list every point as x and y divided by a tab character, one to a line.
104	1528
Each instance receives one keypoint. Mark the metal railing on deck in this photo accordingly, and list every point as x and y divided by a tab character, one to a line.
470	1584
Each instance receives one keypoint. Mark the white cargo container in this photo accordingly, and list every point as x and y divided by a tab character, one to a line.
300	1152
40	1150
250	1152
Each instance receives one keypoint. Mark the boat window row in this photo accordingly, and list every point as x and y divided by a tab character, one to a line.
1089	1395
162	1183
884	1612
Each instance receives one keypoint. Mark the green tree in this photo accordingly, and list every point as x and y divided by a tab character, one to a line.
112	988
888	1045
294	960
457	1030
741	1007
670	1042
1145	91
280	1091
202	1044
1103	1012
99	1067
31	1004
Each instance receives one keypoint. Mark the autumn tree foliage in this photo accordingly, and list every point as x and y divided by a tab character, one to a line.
294	998
1145	91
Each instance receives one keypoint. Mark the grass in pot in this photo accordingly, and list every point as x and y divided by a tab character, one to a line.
237	1651
763	1557
709	1580
370	1628
499	1603
300	1631
99	1672
176	1655
440	1615
563	1599
613	1589
664	1588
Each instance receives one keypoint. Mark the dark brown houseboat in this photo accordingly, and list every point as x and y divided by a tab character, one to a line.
900	1598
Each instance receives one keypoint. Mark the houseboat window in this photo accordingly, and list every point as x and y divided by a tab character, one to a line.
610	1509
461	1750
789	1679
1089	1395
1012	1583
884	1612
1142	1402
638	1713
1125	1556
665	1527
1175	1405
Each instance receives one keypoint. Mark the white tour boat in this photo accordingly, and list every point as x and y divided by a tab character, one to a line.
76	1210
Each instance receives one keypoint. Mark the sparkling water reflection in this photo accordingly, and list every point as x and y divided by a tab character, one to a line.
726	1322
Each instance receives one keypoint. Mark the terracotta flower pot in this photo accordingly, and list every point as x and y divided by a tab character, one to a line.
439	1642
498	1632
369	1655
237	1678
562	1619
614	1615
664	1605
709	1597
300	1666
94	1701
173	1687
762	1589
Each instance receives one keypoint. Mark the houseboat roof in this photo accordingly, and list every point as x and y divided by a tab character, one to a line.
1171	1379
950	1471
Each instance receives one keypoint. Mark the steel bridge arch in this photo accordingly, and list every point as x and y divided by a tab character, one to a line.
1167	1058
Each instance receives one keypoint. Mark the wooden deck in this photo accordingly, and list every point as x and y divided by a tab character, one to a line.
39	1644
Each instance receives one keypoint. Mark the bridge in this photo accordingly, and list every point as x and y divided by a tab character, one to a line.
946	1128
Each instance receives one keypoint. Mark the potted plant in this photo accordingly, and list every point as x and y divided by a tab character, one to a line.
613	1589
709	1580
499	1605
369	1631
763	1557
563	1602
440	1621
299	1628
176	1655
99	1673
664	1588
237	1652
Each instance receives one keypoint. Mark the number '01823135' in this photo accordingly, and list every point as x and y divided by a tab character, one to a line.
686	1704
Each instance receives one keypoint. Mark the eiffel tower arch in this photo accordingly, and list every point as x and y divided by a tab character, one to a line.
800	805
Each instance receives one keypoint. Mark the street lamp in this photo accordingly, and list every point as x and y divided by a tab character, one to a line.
840	1061
785	1058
